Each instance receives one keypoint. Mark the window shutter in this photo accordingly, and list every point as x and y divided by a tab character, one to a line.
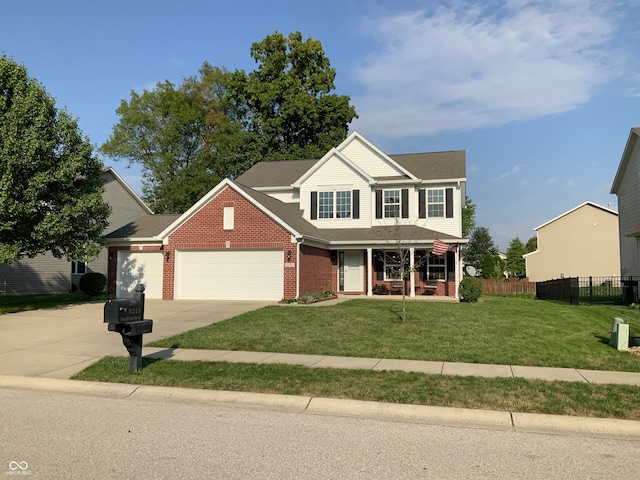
378	203
405	203
355	197
422	203
314	205
451	263
449	202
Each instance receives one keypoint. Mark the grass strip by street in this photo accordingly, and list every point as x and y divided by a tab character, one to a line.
497	330
502	394
20	303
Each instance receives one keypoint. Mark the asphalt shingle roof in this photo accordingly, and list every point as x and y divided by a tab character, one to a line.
143	227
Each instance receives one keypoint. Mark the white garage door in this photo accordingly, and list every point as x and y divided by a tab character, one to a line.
229	274
139	267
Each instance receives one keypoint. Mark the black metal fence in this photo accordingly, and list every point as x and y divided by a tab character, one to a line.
590	290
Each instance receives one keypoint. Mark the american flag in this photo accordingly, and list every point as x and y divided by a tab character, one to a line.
440	247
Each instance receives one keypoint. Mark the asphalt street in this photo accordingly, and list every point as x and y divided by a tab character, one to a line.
56	435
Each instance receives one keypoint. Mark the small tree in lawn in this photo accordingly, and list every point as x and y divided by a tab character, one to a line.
399	247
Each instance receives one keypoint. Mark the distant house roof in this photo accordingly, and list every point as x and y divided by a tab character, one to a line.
144	227
608	210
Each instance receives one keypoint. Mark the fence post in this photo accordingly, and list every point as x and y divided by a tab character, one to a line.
590	290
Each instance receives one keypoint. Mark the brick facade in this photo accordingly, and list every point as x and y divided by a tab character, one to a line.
318	270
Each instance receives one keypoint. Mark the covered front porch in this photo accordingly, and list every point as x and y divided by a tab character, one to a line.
414	271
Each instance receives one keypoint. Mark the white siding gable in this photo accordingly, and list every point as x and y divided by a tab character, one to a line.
371	162
337	175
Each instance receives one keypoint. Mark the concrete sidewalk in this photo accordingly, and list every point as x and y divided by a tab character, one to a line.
429	367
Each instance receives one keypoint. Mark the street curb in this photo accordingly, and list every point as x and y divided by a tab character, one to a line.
446	416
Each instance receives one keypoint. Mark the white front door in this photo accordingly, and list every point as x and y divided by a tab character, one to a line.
353	271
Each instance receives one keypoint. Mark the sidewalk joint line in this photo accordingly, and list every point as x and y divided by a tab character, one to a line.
585	378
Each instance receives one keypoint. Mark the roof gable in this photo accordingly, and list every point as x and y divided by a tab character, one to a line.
582	205
110	171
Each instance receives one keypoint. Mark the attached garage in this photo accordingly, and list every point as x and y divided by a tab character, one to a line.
135	267
229	274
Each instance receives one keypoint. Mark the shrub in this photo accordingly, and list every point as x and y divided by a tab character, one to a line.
92	283
380	289
470	289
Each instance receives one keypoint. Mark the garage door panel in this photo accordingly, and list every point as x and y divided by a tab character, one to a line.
139	268
229	274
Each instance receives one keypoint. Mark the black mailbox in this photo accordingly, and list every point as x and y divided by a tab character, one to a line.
122	311
126	316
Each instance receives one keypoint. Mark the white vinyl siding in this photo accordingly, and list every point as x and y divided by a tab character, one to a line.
336	176
229	275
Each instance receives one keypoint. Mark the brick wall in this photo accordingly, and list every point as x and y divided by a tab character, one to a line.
317	270
252	229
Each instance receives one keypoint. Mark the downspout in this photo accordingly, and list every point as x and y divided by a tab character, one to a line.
298	244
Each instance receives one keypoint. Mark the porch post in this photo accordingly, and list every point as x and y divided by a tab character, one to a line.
369	271
458	269
412	281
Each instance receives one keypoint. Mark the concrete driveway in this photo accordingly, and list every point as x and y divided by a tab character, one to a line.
59	342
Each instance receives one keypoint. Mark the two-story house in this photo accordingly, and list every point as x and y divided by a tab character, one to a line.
626	185
342	223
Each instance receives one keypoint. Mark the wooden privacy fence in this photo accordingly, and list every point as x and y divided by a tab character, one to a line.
507	286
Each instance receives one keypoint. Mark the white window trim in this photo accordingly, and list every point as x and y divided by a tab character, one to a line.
398	205
228	218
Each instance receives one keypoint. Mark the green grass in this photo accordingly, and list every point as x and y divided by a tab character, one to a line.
497	330
12	304
503	394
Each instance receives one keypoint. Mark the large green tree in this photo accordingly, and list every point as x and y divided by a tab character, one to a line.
515	260
480	245
50	182
287	102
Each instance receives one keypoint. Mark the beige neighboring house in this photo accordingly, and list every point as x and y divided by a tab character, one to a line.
582	242
626	185
47	274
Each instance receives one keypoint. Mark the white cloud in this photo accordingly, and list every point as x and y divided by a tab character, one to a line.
571	182
461	67
550	181
509	173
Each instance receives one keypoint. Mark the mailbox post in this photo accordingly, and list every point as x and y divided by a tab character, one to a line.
126	316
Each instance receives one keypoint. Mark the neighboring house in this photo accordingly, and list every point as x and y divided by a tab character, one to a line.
47	274
582	242
283	229
626	185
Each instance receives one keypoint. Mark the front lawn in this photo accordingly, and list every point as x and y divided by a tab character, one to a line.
497	330
19	303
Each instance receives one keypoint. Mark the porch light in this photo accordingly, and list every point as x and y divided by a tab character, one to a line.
289	255
167	255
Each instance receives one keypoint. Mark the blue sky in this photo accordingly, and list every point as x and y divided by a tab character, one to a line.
541	94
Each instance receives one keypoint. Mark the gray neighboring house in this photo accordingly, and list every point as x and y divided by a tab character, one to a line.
47	274
626	185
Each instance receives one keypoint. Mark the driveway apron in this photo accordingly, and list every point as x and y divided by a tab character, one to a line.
59	342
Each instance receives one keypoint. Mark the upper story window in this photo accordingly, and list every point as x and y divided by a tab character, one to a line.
335	204
325	204
435	202
391	203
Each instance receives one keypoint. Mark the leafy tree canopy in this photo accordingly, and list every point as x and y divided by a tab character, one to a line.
287	101
515	260
492	266
532	244
50	182
218	124
480	245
